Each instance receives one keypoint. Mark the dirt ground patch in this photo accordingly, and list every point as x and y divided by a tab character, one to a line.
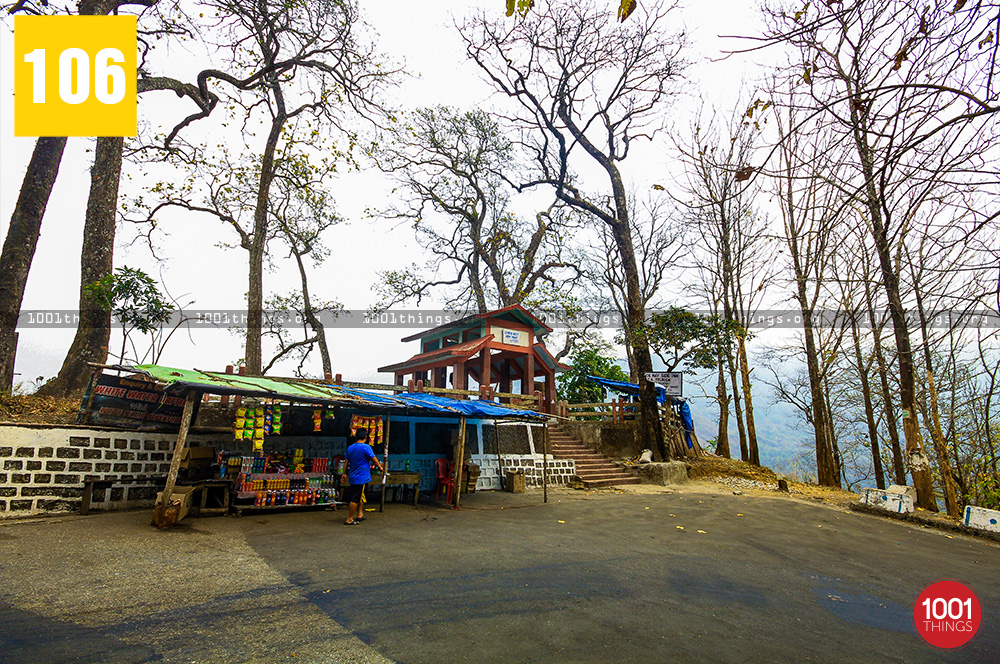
28	408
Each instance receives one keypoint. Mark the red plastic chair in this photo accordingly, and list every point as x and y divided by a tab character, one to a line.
445	480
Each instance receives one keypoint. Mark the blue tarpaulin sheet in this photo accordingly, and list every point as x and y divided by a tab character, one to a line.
628	388
688	422
433	402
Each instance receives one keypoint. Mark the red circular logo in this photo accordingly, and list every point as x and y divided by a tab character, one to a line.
947	614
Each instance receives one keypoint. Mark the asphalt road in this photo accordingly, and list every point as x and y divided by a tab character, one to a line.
599	577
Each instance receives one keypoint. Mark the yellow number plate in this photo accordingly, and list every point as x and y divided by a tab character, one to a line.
74	76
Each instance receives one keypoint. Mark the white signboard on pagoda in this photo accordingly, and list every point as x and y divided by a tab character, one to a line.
673	381
511	337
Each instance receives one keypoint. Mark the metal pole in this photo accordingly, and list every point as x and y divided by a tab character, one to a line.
545	462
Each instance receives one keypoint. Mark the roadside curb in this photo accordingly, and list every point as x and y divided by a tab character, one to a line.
925	521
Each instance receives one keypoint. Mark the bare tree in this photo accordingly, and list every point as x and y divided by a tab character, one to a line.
454	170
904	85
584	92
289	61
90	342
737	250
810	214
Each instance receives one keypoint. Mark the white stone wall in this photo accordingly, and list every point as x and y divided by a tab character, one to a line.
561	471
43	468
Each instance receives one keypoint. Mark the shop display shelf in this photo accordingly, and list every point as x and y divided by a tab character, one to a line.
239	509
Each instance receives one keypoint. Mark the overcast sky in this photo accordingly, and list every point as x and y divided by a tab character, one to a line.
416	33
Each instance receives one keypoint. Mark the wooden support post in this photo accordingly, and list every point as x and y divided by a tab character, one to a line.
545	462
459	380
496	432
160	518
83	417
420	386
238	399
460	460
409	385
224	399
385	463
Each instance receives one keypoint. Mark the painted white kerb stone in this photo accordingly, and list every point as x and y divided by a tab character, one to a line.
982	518
890	501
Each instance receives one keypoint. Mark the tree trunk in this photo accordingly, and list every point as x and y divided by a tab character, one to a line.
748	401
917	459
866	393
826	473
940	447
96	262
899	472
652	431
831	432
311	319
744	449
19	247
722	439
258	246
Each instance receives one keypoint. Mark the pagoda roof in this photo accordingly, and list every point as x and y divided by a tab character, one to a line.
458	351
514	311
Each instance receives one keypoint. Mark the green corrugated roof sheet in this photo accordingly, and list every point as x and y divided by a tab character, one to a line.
220	383
290	389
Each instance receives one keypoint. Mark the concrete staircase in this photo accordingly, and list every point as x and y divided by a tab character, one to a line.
593	469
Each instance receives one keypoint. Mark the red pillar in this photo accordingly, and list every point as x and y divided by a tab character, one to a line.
505	377
485	376
528	377
550	391
459	376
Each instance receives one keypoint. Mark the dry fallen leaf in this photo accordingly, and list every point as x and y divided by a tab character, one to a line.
680	527
562	522
702	532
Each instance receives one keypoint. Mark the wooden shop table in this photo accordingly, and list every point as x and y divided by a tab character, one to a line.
403	478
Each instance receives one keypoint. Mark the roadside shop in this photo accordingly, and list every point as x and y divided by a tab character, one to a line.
289	436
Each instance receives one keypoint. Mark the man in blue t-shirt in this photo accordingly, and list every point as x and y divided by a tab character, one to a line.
359	458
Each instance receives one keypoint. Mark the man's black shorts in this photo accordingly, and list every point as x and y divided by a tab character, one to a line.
352	493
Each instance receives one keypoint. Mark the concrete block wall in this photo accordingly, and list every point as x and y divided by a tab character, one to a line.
43	468
561	471
614	440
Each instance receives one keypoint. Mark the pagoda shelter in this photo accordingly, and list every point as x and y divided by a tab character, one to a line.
491	349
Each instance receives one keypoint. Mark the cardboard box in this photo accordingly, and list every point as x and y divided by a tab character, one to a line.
182	494
196	457
515	481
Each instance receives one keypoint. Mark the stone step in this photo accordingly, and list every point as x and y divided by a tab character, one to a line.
582	457
582	451
594	463
603	483
601	473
